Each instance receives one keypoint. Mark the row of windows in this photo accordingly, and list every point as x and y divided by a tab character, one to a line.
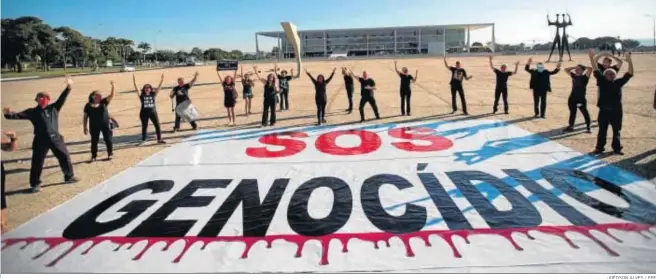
347	34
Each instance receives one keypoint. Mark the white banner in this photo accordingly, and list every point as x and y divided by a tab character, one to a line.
466	196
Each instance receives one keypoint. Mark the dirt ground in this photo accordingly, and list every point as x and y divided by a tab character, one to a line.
430	100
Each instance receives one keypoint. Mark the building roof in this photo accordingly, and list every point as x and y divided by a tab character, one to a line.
473	26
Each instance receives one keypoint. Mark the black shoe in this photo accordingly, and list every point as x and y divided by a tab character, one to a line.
494	111
362	121
465	113
536	116
506	112
453	112
71	180
323	121
109	157
588	130
377	117
194	128
409	114
568	129
93	159
403	114
272	124
161	142
543	117
597	151
349	111
618	152
35	189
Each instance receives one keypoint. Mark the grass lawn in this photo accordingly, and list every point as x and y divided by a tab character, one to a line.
60	72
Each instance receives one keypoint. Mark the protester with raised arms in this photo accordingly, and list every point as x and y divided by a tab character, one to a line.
147	95
540	83
247	84
229	96
501	88
367	88
348	84
580	78
283	81
405	90
181	94
320	96
458	74
45	119
610	103
96	119
7	145
270	91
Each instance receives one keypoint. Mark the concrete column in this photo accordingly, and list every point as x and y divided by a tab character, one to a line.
325	45
367	44
257	47
494	43
279	48
468	38
444	41
418	41
394	42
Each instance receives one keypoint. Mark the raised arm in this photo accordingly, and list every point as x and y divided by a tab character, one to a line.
291	72
263	81
111	93
588	71
12	115
446	64
193	80
516	67
630	61
275	69
396	68
331	76
593	60
136	87
159	86
568	70
491	66
528	65
311	77
353	75
618	61
218	73
62	97
416	75
12	143
555	71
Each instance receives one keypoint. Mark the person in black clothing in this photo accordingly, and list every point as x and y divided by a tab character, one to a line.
181	94
501	88
348	84
148	110
607	63
405	90
541	84
7	145
45	118
96	118
283	82
580	78
610	103
457	76
320	96
247	84
270	92
229	96
367	87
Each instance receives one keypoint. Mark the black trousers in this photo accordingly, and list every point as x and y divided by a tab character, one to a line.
40	148
95	138
612	117
499	92
284	99
321	110
581	104
461	91
540	102
151	115
269	107
349	94
405	101
177	122
372	101
3	201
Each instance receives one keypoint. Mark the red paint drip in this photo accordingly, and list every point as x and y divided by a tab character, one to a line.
344	238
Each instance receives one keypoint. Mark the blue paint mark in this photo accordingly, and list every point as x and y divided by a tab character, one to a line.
421	166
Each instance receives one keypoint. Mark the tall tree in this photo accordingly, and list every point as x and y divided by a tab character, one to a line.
145	48
180	56
197	52
75	45
19	40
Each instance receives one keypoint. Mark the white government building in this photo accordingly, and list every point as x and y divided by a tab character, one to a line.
402	40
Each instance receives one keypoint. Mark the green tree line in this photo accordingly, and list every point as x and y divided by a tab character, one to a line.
30	39
580	43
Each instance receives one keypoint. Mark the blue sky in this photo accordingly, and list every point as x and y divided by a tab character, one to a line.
232	24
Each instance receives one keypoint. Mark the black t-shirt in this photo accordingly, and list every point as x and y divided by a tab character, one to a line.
502	78
365	82
405	81
602	69
457	75
98	116
283	81
147	101
269	91
348	80
248	87
579	85
181	93
610	91
228	90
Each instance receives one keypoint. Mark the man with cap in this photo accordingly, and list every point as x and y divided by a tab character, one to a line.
45	119
610	103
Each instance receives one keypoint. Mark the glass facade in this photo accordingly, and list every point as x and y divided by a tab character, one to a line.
384	41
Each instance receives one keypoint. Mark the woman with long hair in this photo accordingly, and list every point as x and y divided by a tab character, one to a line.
229	96
96	119
320	96
247	83
270	92
148	110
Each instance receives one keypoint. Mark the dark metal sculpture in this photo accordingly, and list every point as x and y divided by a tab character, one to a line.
561	42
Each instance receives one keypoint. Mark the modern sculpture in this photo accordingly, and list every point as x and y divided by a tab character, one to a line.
561	42
291	32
